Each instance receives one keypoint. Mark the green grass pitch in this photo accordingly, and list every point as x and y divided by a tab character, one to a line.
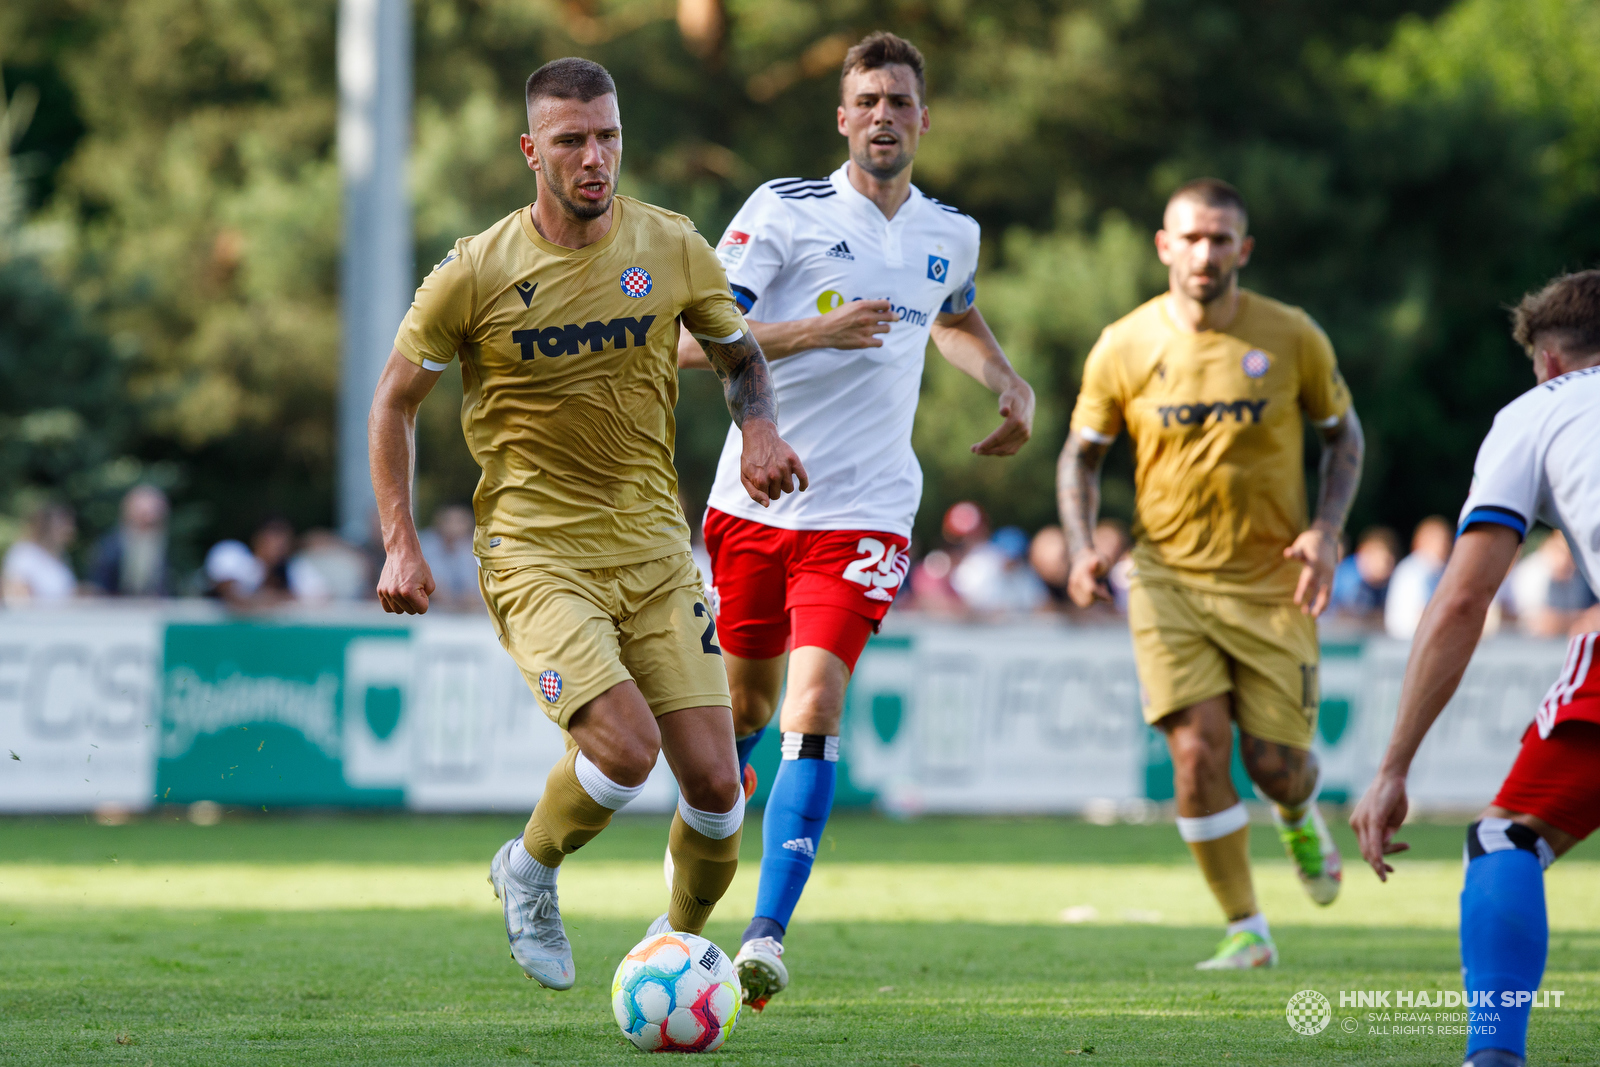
374	940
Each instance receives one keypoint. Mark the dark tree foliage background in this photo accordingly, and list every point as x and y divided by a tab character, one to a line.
1412	168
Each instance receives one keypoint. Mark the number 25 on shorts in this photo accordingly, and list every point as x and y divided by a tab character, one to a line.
881	568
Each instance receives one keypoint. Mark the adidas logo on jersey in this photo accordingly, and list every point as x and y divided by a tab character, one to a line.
802	845
840	251
567	340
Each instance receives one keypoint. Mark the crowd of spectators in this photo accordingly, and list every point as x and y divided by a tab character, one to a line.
975	572
274	567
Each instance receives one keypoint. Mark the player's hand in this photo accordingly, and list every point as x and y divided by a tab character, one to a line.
1318	551
1016	408
768	467
1086	580
406	582
1377	819
857	324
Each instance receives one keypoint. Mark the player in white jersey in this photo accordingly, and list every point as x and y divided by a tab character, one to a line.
1541	460
843	281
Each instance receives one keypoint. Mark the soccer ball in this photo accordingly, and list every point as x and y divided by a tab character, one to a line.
676	993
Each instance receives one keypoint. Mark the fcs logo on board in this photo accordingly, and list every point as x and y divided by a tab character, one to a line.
566	340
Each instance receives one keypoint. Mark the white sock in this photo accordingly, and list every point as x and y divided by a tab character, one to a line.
529	871
1256	924
1211	827
714	825
604	791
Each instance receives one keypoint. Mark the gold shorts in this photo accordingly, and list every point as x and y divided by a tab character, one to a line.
576	633
1190	646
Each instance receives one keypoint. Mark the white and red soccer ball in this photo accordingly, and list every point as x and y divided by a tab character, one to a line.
676	993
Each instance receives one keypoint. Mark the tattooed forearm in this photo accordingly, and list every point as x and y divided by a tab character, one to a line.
1078	490
745	381
1340	470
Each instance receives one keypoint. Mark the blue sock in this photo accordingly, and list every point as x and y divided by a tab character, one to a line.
1504	933
744	746
797	810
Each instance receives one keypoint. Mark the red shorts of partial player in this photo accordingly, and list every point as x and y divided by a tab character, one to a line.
1557	773
778	589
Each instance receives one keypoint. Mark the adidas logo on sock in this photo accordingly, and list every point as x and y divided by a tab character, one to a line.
840	251
801	844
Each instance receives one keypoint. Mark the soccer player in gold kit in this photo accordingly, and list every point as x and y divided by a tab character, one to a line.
1213	384
565	315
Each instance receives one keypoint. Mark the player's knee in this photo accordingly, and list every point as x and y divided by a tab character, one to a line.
628	761
751	710
717	789
1198	753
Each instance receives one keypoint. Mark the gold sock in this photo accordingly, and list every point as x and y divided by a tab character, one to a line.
702	869
1225	861
566	817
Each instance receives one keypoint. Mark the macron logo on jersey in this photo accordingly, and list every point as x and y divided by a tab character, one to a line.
840	251
566	340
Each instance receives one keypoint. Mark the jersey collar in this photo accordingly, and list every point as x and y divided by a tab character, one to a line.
852	196
617	212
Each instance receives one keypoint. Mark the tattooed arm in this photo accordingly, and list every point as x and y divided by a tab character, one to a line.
1318	548
768	468
1078	497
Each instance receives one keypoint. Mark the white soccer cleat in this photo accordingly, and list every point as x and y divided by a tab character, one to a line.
1315	855
1241	952
762	974
533	925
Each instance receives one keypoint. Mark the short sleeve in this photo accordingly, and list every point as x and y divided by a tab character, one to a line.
441	312
964	297
756	247
1324	397
1505	476
1097	416
711	314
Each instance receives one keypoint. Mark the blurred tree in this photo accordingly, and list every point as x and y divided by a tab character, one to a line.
1411	166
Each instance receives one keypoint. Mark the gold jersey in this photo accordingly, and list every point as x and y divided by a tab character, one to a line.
1216	420
570	371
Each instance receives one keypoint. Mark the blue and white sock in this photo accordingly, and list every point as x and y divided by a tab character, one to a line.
745	746
1504	932
797	811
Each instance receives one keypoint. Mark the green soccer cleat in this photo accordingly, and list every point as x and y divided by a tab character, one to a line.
1315	856
1241	952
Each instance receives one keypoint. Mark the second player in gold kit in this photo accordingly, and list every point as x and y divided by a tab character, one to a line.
1214	386
565	317
1217	421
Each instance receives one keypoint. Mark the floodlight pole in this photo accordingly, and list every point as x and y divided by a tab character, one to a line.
376	270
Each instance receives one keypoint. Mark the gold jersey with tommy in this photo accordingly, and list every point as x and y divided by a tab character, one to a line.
570	373
1216	419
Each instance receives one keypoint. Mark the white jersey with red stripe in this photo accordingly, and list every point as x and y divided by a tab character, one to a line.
802	248
1541	461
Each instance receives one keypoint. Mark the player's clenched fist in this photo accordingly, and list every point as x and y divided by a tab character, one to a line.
406	583
768	467
857	324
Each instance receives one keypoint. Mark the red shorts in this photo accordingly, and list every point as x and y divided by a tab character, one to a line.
1557	778
776	589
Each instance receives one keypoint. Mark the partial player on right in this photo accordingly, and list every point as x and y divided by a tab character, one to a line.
1541	460
1214	385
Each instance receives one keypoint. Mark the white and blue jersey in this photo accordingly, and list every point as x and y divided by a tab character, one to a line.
800	248
1541	461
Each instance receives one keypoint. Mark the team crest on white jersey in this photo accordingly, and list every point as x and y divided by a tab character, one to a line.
938	268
